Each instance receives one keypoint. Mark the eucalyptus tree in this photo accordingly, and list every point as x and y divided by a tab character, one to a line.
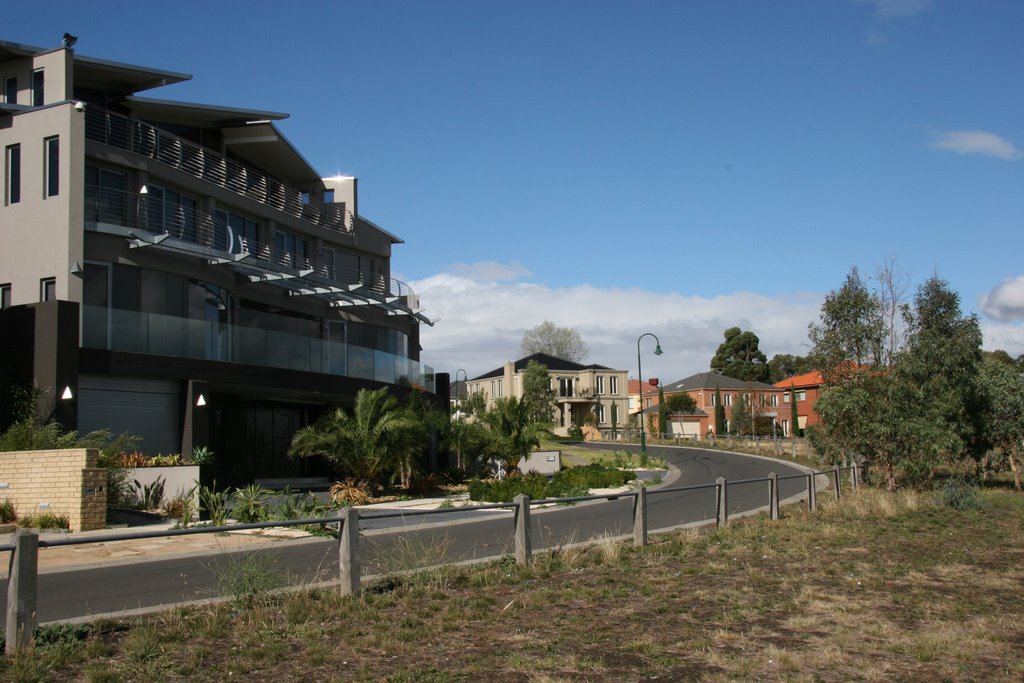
1004	414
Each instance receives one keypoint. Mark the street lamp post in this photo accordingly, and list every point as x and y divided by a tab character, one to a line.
640	373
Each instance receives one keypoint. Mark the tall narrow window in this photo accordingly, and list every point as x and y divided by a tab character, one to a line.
37	88
48	289
613	385
51	147
11	90
5	296
598	384
12	169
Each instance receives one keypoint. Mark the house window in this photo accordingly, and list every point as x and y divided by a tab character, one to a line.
5	296
801	395
727	399
613	385
37	88
289	249
48	289
785	427
12	172
235	233
172	212
774	400
104	196
599	412
495	388
565	386
51	166
598	384
11	90
785	398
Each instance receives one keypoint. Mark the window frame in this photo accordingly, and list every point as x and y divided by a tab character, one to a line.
51	166
11	86
613	385
6	294
38	88
47	289
12	174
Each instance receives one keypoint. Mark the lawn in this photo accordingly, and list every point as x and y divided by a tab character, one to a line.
876	587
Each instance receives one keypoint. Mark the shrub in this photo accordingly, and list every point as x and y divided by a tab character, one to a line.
349	492
202	456
46	520
575	433
249	505
571	482
958	493
7	512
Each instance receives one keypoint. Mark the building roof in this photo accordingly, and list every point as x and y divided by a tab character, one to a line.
808	379
553	365
713	380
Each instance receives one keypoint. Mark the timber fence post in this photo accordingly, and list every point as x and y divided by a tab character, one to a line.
640	517
524	547
722	517
812	493
836	485
853	476
773	495
22	590
348	551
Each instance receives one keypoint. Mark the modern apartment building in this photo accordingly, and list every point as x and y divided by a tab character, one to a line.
179	271
580	391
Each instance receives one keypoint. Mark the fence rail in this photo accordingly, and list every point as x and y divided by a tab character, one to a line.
22	588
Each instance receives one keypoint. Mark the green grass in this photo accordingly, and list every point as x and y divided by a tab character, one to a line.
877	586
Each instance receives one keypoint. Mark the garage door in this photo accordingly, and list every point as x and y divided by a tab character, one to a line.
146	408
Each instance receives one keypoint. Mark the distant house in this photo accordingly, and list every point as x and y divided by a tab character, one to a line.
456	392
579	391
765	399
650	397
805	390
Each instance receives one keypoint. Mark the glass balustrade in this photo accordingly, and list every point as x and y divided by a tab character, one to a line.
166	335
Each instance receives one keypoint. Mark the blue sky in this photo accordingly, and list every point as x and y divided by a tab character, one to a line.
624	167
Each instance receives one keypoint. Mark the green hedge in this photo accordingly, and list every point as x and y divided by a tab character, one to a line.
574	481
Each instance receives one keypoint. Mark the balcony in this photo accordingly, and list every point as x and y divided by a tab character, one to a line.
150	222
138	137
164	335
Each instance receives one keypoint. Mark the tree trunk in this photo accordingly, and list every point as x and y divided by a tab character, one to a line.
1016	471
890	477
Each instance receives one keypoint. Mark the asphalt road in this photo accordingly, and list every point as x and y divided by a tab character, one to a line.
411	540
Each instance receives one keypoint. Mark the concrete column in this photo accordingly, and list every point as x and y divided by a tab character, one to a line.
640	517
773	495
348	551
22	589
723	507
524	546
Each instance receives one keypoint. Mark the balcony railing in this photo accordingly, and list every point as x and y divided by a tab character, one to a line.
135	210
149	141
165	335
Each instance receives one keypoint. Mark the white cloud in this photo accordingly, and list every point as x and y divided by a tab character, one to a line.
977	142
893	9
1006	300
1006	336
481	322
490	271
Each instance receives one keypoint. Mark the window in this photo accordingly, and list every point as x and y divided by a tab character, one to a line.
785	398
5	296
727	399
12	171
48	289
599	412
104	196
801	394
785	427
613	385
172	212
37	88
289	249
232	232
774	400
495	388
565	386
11	90
599	384
51	166
714	399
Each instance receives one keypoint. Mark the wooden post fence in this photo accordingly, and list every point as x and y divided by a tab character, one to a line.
524	546
773	495
640	517
722	518
22	586
348	552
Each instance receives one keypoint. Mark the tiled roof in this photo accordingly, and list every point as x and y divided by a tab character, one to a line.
808	379
553	365
711	380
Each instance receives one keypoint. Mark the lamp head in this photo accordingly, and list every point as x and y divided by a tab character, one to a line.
657	350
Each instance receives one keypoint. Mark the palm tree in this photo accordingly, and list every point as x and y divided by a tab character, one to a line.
378	439
513	433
